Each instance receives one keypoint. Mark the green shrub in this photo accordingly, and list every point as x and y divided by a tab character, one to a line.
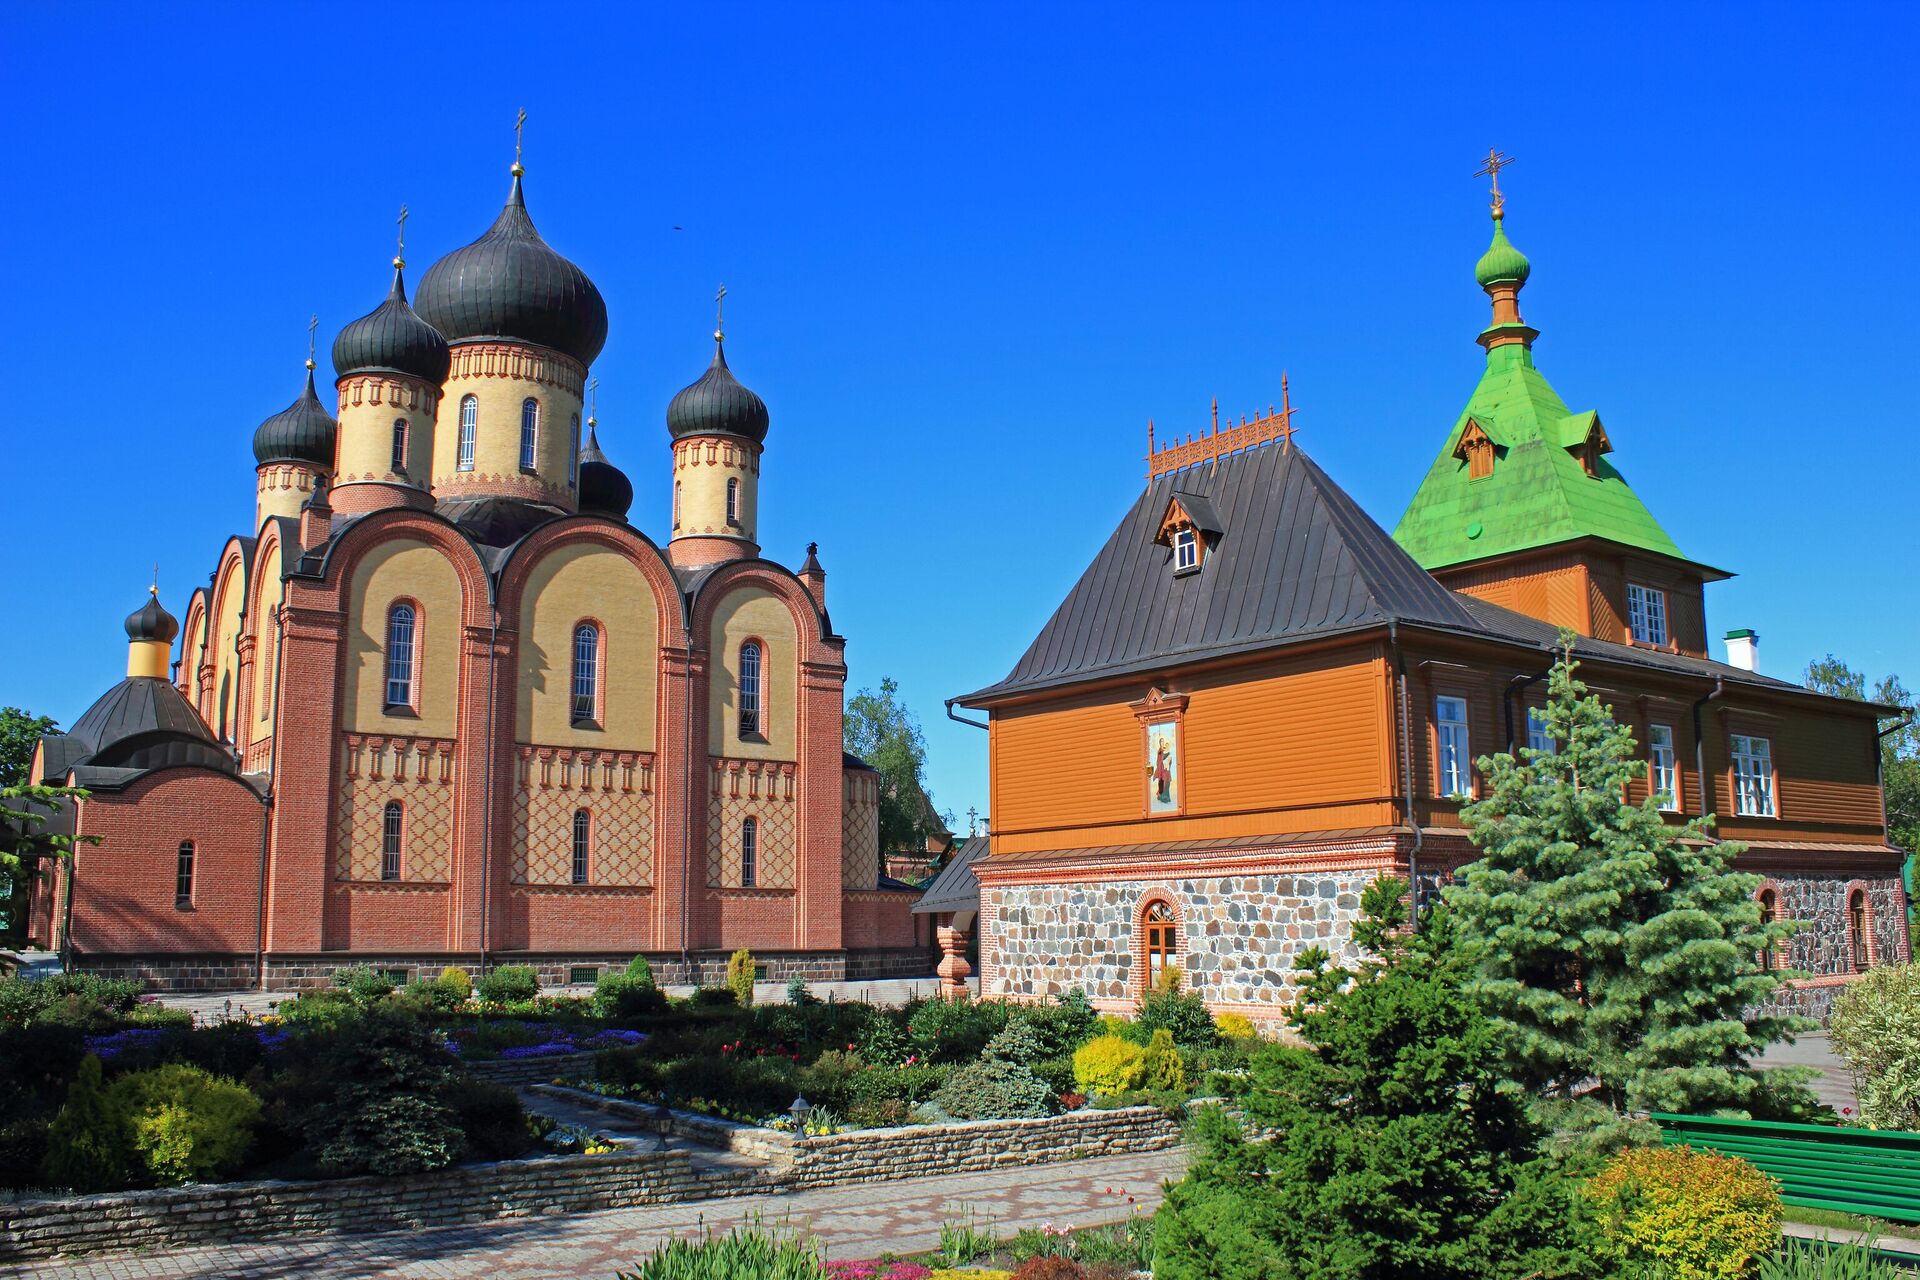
1162	1069
401	1133
797	993
994	1089
1236	1026
740	976
1058	1073
617	995
627	1071
956	1030
882	1043
184	1124
908	1085
713	997
367	986
1062	1025
828	1082
509	984
1876	1028
1180	1013
491	1117
367	1096
23	1150
456	981
84	1000
640	970
1671	1213
745	1253
88	1146
324	1008
1109	1065
750	1086
1015	1043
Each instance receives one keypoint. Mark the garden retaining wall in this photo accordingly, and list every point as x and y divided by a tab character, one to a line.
518	1071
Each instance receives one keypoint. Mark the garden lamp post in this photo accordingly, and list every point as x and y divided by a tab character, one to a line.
800	1110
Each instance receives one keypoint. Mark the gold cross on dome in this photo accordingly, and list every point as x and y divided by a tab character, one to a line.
401	253
1496	161
719	313
519	123
593	400
312	324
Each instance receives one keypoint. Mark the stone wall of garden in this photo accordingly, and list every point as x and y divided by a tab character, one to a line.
1239	935
518	1071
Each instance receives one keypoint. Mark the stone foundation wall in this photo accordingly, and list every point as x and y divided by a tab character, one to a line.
1238	936
517	1071
1824	949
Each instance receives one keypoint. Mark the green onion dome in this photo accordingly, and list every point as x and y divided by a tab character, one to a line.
604	488
302	432
510	286
1501	263
392	339
717	405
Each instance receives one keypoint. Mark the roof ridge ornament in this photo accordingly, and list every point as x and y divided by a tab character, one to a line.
519	124
1496	161
312	324
1249	433
719	314
400	249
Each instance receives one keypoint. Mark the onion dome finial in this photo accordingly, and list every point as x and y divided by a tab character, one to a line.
392	337
151	621
1501	263
302	432
604	488
717	404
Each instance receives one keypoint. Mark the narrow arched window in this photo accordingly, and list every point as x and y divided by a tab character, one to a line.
401	626
1161	945
392	831
573	454
1769	911
183	876
469	427
582	844
529	432
1860	944
751	687
399	445
733	500
749	852
226	689
676	504
586	673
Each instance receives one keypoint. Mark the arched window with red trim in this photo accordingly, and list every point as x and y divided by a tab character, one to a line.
1159	941
1859	931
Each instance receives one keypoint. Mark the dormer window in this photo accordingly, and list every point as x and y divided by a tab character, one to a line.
1586	440
1477	449
1186	550
1647	614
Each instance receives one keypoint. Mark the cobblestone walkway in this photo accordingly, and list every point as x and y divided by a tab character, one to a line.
855	1222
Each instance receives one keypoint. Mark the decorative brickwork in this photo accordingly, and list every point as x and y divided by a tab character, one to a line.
764	791
616	788
518	362
417	772
860	829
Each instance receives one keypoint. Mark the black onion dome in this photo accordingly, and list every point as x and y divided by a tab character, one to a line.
151	622
301	432
604	488
392	338
509	284
717	405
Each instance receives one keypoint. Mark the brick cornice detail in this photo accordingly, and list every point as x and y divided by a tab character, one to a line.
512	360
583	769
414	395
517	485
756	779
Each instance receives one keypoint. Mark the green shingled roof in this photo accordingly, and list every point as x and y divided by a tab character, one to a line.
1538	494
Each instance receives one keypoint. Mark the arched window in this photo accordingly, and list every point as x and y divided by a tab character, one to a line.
676	504
573	454
586	673
183	876
469	427
529	432
392	830
733	500
752	674
399	445
749	852
401	628
1160	947
1770	957
1859	939
582	844
226	689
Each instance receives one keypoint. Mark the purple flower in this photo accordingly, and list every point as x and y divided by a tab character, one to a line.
615	1035
111	1046
538	1050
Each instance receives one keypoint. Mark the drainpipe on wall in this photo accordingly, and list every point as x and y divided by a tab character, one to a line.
1700	741
960	719
1404	732
486	814
266	801
1515	687
687	791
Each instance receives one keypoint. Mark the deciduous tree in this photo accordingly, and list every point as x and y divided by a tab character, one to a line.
882	731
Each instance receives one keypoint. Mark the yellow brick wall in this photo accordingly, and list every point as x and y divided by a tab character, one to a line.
413	570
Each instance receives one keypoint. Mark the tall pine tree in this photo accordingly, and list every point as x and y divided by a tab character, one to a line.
1619	952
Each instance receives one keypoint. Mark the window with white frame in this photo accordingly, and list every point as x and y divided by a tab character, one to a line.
573	453
749	852
529	432
1664	771
1752	777
399	462
582	844
1647	613
752	685
733	500
469	428
586	672
1538	736
1456	755
1186	550
392	830
401	624
183	876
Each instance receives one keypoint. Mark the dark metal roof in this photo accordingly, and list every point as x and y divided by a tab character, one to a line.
717	405
848	760
956	888
151	622
509	284
1201	510
392	337
604	488
1296	558
301	432
141	724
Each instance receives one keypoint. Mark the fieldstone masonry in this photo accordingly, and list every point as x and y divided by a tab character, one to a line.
1239	935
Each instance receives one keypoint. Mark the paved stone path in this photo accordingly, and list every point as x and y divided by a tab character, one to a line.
855	1222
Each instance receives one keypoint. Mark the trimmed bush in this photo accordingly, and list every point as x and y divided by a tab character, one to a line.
829	1081
88	1147
1673	1213
509	984
366	985
740	976
456	981
324	1008
994	1089
1181	1013
618	995
404	1133
1107	1064
1236	1026
1876	1028
640	970
184	1125
714	998
1161	1066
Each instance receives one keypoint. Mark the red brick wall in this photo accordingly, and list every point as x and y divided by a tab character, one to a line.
880	918
565	918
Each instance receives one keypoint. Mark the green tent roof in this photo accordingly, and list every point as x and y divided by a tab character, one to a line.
1539	493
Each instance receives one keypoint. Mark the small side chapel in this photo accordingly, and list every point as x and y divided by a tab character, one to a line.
1255	701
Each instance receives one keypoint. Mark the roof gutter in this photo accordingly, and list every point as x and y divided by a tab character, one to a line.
1700	740
960	719
1404	733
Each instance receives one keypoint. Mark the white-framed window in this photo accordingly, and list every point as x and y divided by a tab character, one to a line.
1186	550
1456	754
1753	777
399	445
392	831
1664	773
582	844
529	432
1859	937
749	852
1538	738
183	876
733	500
469	427
676	504
752	685
1647	613
586	672
401	625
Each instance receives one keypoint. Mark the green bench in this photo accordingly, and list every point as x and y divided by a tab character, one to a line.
1874	1172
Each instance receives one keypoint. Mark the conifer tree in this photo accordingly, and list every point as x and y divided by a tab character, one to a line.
1619	952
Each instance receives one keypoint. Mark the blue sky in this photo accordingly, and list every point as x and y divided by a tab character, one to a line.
969	251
